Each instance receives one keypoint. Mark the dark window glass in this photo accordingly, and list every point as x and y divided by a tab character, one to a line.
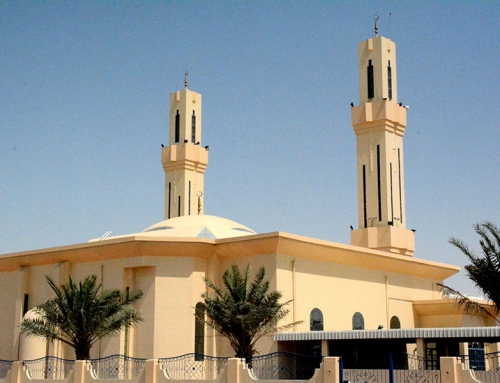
431	357
365	217
476	356
193	128
316	320
25	304
392	195
358	322
169	197
395	323
371	84
379	185
199	331
400	188
177	127
389	80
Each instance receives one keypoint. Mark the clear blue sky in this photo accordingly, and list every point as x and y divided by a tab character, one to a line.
84	104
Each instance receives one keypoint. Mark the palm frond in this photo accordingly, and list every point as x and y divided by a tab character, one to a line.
469	306
80	314
243	312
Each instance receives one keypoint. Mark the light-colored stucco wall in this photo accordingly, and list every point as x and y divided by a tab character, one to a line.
337	279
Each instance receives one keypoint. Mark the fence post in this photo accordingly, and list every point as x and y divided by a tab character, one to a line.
391	369
150	370
79	371
233	370
15	372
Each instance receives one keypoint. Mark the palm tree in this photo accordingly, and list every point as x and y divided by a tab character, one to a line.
484	271
243	312
79	315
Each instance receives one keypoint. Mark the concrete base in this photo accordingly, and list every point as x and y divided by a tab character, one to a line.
386	238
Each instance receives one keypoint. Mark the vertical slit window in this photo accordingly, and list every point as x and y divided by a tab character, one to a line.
400	188
169	197
177	127
179	207
389	80
25	304
199	332
379	186
125	341
365	218
392	197
189	196
193	128
371	84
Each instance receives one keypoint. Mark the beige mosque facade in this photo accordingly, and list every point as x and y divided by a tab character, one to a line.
351	298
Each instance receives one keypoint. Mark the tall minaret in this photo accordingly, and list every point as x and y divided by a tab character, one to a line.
379	124
184	160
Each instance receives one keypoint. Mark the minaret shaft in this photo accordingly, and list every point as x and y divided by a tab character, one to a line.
379	123
184	160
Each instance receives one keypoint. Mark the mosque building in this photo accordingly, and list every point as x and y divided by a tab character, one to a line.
352	298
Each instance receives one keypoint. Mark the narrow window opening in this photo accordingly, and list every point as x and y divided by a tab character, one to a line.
400	188
392	197
316	320
179	207
199	332
189	199
389	80
193	128
371	85
25	304
177	127
125	341
169	198
365	218
358	322
379	186
395	323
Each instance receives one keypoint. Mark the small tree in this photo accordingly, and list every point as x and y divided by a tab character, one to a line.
483	270
79	316
244	312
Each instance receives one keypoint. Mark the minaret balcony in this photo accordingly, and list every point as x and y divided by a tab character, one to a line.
184	156
380	115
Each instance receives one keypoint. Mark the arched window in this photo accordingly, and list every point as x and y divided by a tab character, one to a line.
199	331
358	322
316	320
395	323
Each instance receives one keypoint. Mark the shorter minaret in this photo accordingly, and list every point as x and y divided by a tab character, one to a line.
184	160
379	123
